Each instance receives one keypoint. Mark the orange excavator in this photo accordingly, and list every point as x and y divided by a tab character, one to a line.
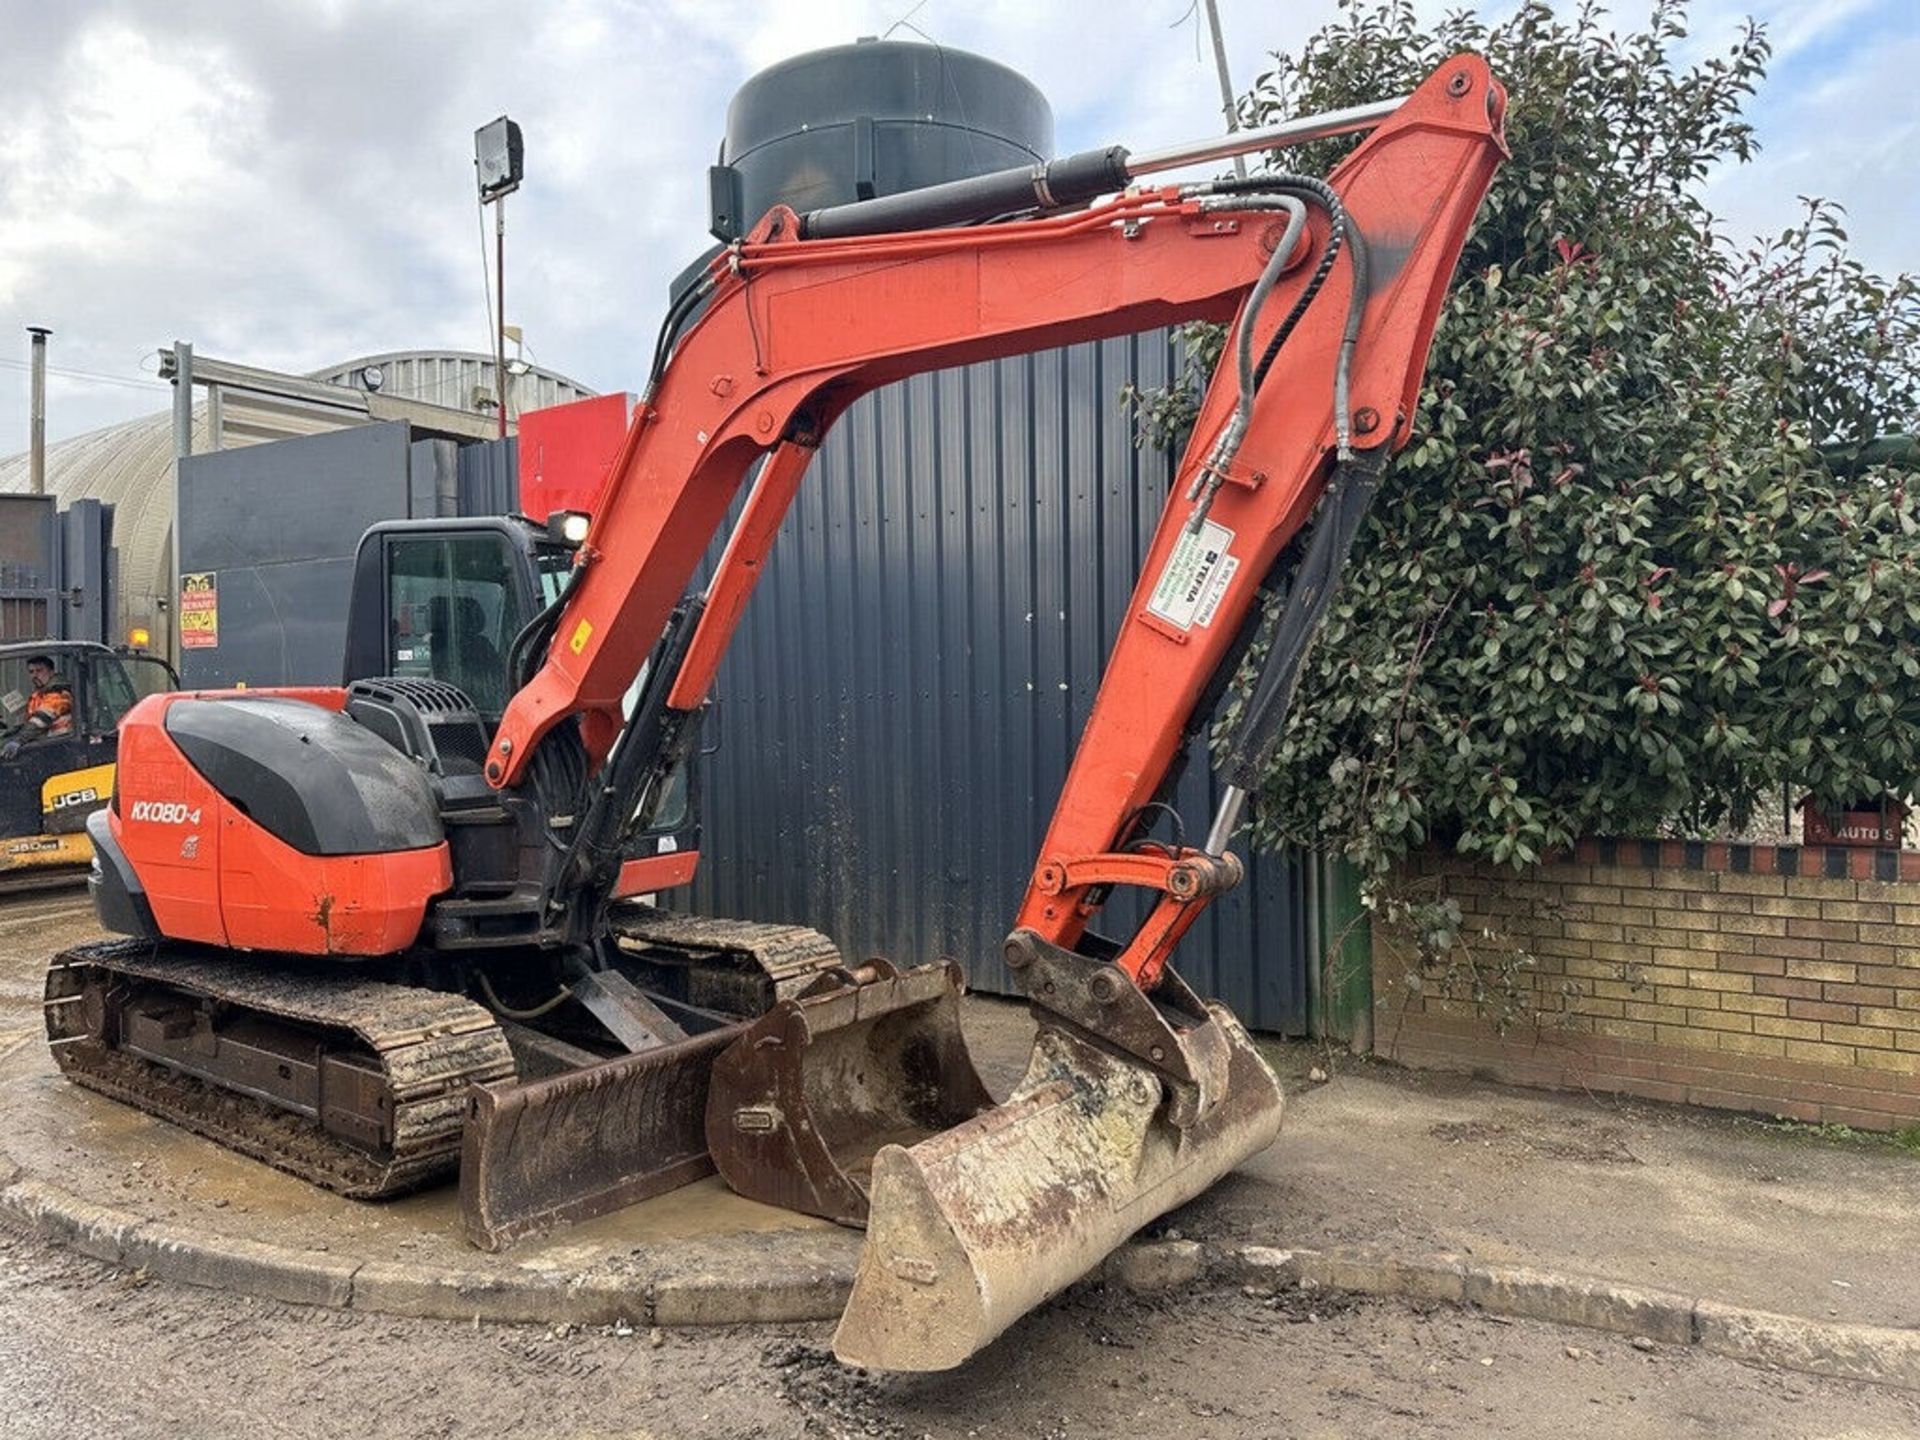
380	931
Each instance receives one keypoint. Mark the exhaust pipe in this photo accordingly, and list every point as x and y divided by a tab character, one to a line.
37	412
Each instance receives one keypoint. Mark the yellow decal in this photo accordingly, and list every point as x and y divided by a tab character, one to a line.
77	789
582	633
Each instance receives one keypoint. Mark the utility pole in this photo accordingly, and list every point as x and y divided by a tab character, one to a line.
1228	106
500	298
37	411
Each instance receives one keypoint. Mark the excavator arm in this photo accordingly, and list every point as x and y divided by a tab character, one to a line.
795	329
1138	1094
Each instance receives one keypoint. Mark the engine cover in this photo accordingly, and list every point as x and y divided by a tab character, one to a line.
271	821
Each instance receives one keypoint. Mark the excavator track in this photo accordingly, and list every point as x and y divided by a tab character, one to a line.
386	1068
742	967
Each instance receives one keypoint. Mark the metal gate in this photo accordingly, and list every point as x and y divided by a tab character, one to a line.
898	710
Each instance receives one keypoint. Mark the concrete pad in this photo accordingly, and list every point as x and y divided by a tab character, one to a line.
1398	1161
125	1187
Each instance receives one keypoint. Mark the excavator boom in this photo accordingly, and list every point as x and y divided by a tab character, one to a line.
1138	1095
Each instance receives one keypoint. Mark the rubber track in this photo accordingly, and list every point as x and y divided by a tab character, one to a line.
431	1047
789	955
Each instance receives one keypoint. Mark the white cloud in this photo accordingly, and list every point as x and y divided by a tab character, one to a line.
291	185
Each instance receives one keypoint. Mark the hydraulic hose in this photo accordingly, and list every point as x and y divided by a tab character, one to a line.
1344	235
500	1007
1235	431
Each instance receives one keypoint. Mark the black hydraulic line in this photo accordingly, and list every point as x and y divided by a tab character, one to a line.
1345	504
678	313
653	740
523	640
1328	254
1051	185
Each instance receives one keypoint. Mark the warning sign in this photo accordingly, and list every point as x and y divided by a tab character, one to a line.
1195	577
199	612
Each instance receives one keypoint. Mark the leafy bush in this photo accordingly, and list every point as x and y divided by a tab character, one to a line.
1636	570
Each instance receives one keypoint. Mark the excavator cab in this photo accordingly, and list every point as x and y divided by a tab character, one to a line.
445	600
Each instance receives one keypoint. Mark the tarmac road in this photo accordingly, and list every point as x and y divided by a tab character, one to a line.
89	1350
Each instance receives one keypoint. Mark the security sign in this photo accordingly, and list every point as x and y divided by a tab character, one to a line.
199	612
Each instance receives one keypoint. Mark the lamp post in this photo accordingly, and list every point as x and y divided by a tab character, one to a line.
498	162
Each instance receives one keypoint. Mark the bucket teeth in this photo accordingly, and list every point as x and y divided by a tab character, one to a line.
972	1228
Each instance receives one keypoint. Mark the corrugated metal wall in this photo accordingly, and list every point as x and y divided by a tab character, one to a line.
900	705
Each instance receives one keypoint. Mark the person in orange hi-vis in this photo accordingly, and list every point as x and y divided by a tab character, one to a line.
49	708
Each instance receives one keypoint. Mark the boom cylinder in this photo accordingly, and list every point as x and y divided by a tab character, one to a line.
1071	180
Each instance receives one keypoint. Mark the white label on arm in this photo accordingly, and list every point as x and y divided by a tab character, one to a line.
1195	578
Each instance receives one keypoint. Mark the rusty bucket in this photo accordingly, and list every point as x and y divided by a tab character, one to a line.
972	1228
798	1106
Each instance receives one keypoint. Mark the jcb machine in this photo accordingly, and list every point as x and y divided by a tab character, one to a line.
61	703
377	932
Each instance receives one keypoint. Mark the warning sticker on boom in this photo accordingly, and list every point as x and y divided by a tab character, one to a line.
1196	576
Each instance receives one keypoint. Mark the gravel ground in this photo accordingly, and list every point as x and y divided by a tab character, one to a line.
86	1349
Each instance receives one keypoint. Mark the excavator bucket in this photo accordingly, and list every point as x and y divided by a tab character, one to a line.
799	1104
858	1102
972	1228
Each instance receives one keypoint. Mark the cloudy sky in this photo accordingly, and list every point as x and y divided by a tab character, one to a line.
289	183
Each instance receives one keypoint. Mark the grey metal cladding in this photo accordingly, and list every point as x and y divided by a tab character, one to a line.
907	686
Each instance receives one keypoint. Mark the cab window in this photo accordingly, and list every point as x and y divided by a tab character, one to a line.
16	691
452	612
150	675
555	566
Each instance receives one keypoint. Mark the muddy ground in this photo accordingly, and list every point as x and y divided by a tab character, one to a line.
86	1350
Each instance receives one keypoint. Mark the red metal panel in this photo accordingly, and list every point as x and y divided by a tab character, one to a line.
655	872
566	450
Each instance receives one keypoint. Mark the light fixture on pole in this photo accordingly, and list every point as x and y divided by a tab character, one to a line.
498	163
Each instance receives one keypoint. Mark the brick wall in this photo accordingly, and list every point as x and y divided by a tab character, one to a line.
1781	982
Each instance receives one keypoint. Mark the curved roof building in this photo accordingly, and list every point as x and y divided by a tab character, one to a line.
130	465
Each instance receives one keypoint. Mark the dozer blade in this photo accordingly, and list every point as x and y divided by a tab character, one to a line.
815	1086
971	1229
539	1154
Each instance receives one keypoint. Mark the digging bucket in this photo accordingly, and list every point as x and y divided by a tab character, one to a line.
798	1106
972	1228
